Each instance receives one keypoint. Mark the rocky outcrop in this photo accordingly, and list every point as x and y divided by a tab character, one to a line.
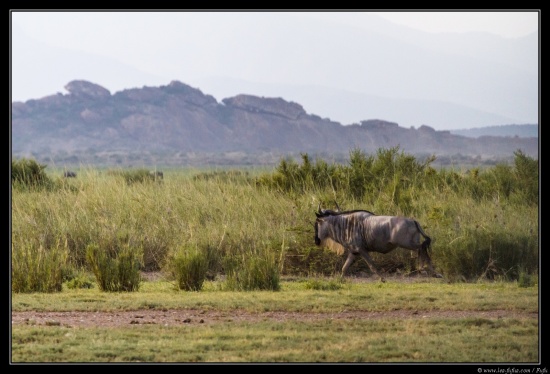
189	94
264	105
85	89
179	118
377	124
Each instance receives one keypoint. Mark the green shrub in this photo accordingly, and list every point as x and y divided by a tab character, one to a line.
527	174
391	172
28	174
118	271
188	265
290	176
37	269
252	271
79	280
525	279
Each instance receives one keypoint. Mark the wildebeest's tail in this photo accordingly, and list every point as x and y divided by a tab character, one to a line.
426	244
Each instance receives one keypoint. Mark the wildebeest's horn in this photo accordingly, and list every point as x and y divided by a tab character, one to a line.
337	206
319	207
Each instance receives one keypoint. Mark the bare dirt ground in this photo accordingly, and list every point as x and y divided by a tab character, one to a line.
189	316
173	317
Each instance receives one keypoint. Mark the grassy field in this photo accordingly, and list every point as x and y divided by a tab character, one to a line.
308	320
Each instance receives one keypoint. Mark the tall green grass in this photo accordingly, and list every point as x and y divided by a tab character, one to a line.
483	223
252	270
36	268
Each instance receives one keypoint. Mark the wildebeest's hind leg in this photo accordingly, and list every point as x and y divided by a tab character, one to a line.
423	256
424	261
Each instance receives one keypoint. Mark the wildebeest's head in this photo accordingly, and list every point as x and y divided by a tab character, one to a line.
316	225
323	240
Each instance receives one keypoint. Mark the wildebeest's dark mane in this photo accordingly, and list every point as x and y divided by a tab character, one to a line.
354	211
329	212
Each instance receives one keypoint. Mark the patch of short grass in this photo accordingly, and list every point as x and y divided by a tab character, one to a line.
460	340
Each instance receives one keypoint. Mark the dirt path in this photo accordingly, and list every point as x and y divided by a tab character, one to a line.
173	317
188	316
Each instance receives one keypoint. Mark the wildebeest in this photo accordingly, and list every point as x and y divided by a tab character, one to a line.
157	175
69	174
361	232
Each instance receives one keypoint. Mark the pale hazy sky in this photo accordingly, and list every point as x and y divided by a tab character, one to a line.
507	24
51	48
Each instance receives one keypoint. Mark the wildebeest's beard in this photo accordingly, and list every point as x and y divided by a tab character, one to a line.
317	240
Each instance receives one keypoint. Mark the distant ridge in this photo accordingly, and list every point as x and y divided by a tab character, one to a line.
179	119
522	131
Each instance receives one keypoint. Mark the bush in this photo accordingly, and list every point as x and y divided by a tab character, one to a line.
28	174
188	265
391	172
252	271
80	280
117	271
527	280
37	269
527	174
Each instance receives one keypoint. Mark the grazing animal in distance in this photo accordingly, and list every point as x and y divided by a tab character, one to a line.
157	175
69	174
361	232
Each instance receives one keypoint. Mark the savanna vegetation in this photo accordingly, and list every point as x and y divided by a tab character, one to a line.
254	227
231	239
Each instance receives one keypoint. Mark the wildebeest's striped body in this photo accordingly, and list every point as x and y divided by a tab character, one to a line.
361	232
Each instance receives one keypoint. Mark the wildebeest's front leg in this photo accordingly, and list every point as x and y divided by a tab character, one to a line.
370	262
350	260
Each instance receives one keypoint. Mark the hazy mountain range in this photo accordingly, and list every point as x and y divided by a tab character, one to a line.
179	119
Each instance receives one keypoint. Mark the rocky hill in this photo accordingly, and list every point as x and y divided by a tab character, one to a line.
177	118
